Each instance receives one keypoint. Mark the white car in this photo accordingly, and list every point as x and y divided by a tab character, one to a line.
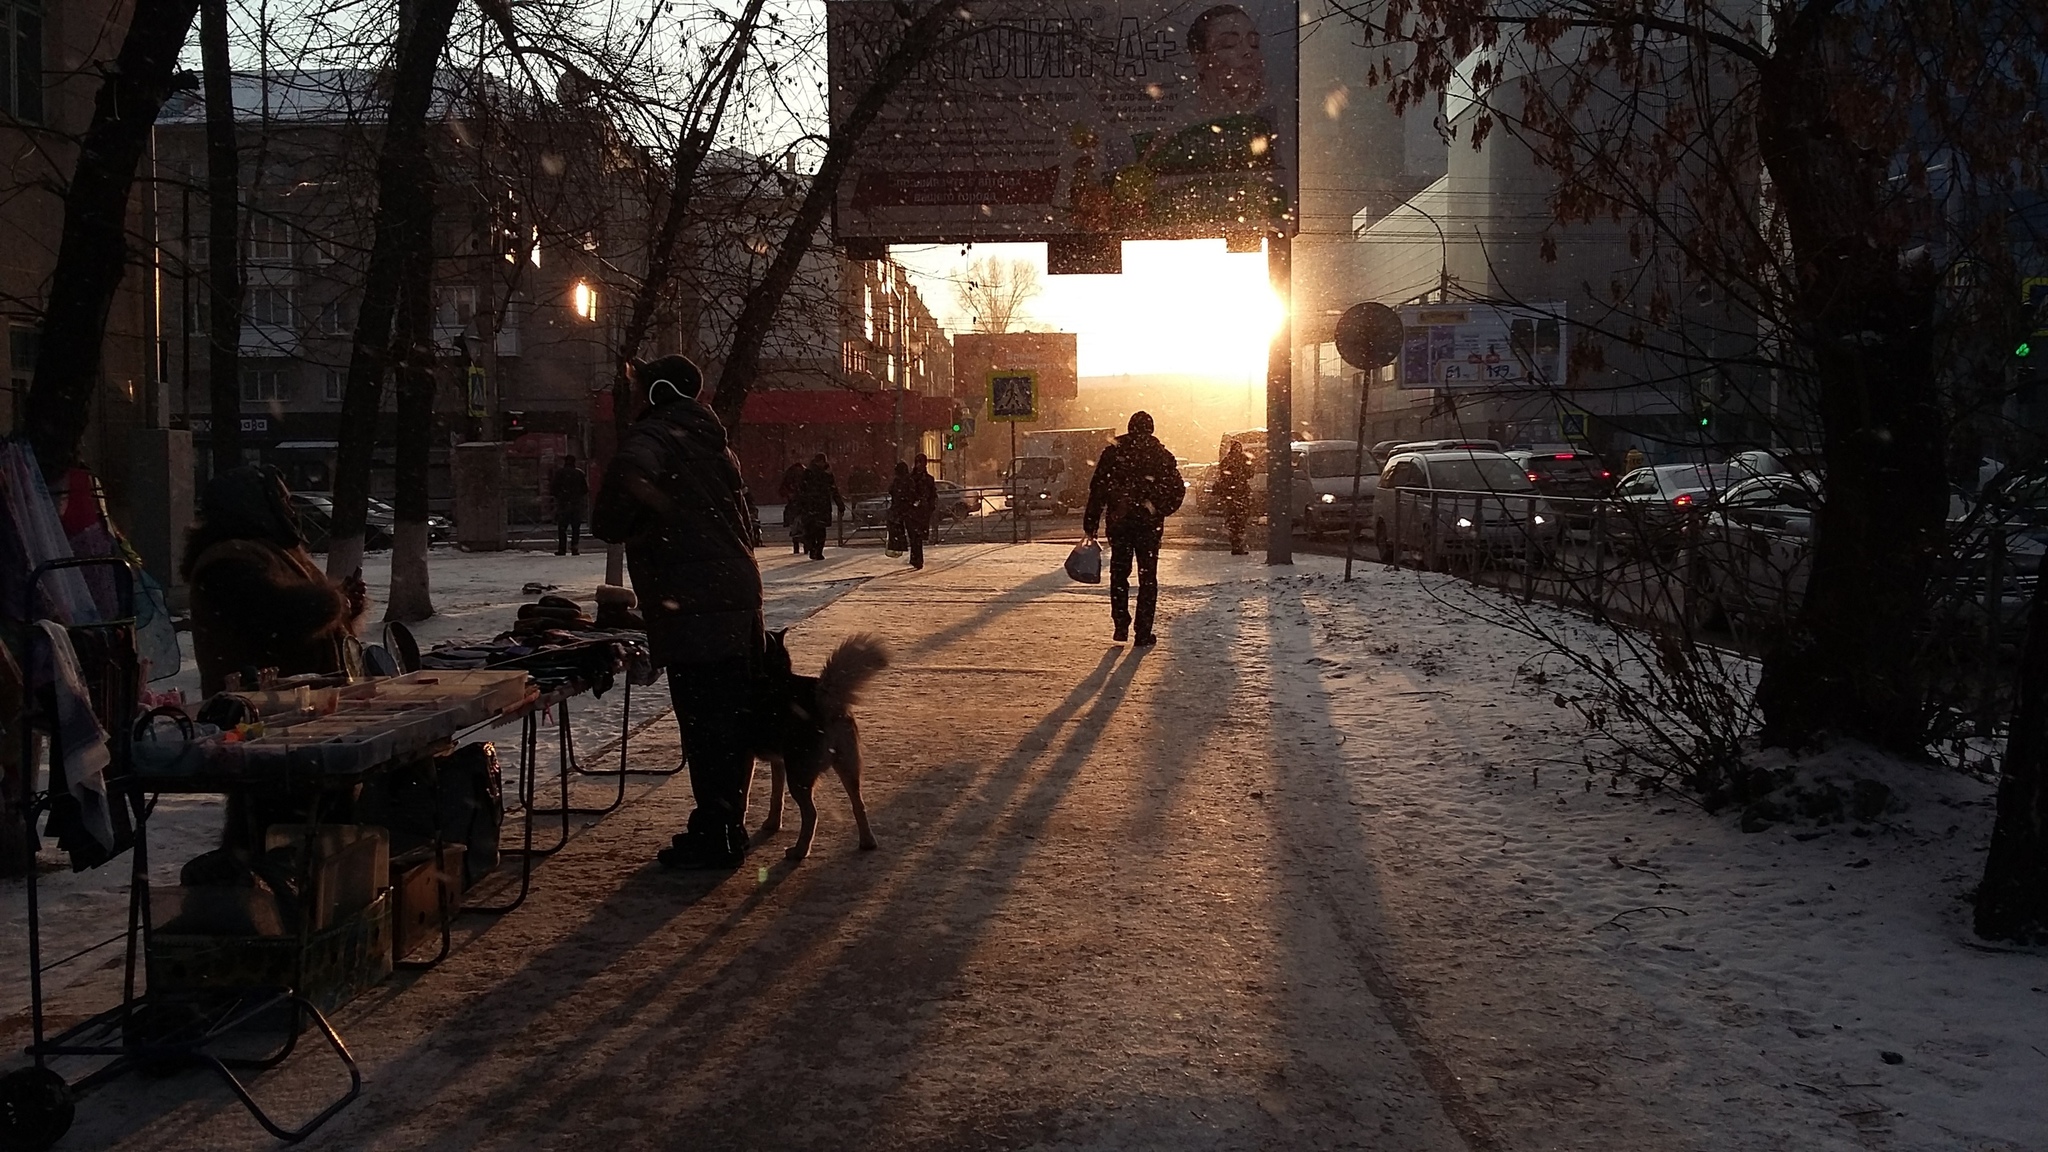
1332	472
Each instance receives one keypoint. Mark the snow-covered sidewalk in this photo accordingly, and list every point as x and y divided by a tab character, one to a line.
1325	869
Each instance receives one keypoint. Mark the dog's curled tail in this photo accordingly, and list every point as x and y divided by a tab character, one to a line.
858	659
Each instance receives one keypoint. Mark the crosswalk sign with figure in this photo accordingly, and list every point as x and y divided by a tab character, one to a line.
1012	395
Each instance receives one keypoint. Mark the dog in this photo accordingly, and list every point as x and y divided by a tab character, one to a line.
801	724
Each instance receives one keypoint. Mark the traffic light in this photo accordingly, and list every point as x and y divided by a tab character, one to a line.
2025	350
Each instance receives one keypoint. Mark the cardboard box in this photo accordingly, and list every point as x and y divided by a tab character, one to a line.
424	896
349	865
339	963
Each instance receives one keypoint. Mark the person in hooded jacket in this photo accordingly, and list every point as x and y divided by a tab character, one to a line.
258	600
1136	486
673	496
1234	494
817	499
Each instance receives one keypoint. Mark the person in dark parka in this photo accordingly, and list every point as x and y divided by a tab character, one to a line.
817	498
258	598
1137	485
921	502
1234	494
674	497
570	486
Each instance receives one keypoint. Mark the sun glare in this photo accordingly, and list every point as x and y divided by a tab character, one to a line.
1185	307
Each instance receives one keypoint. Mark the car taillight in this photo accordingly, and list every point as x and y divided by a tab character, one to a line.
1564	456
1683	499
1533	477
1607	475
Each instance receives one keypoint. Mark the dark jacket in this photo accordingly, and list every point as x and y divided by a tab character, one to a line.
913	497
673	496
817	494
1137	485
570	486
1234	482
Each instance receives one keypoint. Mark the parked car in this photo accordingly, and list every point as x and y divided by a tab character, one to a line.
439	528
1331	467
1466	503
1753	557
316	520
1200	480
1650	508
1565	472
954	504
1752	550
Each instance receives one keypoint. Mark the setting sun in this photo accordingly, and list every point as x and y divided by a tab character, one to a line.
1185	307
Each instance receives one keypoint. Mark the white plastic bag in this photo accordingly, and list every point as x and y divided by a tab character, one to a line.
1084	563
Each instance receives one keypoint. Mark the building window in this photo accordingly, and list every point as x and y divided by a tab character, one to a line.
262	384
270	239
332	390
333	321
269	306
322	251
583	298
21	60
455	306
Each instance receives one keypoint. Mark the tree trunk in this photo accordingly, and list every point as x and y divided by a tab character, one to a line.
2012	900
1850	665
223	245
402	168
409	599
92	253
757	315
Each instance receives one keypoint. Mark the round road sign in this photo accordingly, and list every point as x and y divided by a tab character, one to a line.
1369	336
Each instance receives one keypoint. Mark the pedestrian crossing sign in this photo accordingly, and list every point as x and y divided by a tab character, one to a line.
1571	424
1012	395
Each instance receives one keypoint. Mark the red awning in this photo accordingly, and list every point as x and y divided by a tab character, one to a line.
836	406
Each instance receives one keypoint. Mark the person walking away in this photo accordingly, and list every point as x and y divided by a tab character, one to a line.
1136	487
674	497
899	505
818	499
922	506
1234	494
570	486
792	477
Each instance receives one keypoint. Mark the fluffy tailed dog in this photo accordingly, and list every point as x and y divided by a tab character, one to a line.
801	724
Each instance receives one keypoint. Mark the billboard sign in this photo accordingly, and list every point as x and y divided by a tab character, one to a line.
1012	396
1128	119
1476	347
1053	357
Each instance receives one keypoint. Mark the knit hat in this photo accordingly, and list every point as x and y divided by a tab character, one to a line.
669	379
1141	423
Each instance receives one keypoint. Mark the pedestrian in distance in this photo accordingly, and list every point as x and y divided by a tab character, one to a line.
792	478
920	500
1137	485
1234	494
899	504
570	487
674	497
818	501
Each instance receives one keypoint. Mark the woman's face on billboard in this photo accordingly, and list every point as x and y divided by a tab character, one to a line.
1230	69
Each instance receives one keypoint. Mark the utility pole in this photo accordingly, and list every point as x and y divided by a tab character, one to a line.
1280	408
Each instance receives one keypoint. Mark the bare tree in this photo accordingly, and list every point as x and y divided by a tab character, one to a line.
224	264
993	292
403	167
92	254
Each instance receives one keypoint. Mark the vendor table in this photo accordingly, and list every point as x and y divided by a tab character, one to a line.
310	741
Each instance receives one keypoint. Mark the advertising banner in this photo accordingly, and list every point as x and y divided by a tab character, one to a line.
1130	119
1482	346
1053	357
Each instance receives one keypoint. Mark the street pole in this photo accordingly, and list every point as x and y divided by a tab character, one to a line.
1357	466
1013	481
901	315
1280	408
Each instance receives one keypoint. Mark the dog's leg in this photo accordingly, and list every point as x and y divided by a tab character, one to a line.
807	809
846	759
773	823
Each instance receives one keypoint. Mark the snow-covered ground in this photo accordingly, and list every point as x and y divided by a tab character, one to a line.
1590	967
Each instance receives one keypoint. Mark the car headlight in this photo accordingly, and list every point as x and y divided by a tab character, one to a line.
1539	520
1328	498
1464	523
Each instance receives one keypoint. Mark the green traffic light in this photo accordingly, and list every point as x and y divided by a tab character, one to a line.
1703	421
2024	350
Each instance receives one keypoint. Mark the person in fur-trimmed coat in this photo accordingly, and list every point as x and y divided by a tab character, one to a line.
258	598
